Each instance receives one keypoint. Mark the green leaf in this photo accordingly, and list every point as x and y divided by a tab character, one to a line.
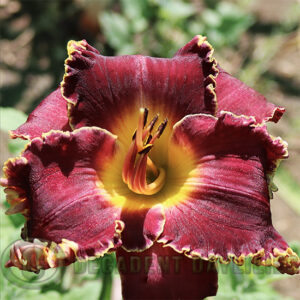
229	9
16	146
225	24
288	189
247	282
295	245
211	18
175	10
11	118
134	8
135	11
116	29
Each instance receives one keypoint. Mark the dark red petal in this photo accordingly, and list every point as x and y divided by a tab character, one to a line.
142	227
235	96
227	214
198	46
102	89
50	114
60	175
16	172
161	273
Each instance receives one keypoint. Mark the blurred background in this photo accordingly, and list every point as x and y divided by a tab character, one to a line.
257	41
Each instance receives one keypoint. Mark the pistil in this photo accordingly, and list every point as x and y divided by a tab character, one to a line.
137	163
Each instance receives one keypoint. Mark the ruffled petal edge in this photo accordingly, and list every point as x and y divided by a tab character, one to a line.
204	49
286	261
50	114
36	255
277	142
86	53
15	191
245	100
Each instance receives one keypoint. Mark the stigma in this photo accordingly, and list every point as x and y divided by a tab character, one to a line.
139	172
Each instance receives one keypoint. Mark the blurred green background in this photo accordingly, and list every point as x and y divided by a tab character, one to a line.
257	41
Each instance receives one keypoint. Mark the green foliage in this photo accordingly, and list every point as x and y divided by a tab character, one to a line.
11	118
247	282
225	24
175	11
160	27
118	30
289	189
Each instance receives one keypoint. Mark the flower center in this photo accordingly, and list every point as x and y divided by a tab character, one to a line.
139	172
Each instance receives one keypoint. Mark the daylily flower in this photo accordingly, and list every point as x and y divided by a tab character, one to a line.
154	158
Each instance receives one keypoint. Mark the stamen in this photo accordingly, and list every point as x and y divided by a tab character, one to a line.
139	131
146	149
162	127
152	123
145	116
137	163
149	139
129	162
134	136
152	167
159	131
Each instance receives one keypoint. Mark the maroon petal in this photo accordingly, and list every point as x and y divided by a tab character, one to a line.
59	178
50	114
226	213
101	90
235	96
161	273
142	227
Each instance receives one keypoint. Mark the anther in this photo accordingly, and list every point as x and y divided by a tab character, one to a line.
139	131
149	139
162	127
152	123
159	131
134	135
145	116
146	149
